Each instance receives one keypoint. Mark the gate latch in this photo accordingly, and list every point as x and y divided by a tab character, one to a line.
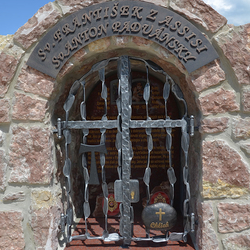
134	191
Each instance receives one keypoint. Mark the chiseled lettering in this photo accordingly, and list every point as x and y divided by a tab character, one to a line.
66	29
69	48
93	32
41	54
47	47
124	10
166	21
191	36
96	14
204	48
181	48
157	33
114	11
172	44
106	12
102	29
185	30
135	27
144	29
197	43
86	18
76	40
116	26
189	56
177	25
56	62
152	15
76	23
85	35
58	35
126	27
135	12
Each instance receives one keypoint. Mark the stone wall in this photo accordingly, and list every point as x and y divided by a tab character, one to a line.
217	94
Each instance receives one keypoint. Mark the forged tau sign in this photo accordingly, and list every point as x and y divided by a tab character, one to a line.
131	18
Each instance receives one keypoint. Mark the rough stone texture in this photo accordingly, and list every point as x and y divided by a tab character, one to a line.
4	110
27	108
239	242
245	146
207	76
219	101
214	125
233	217
8	66
35	82
11	231
221	162
29	33
207	238
2	137
241	128
236	47
5	40
30	156
246	99
3	168
99	45
199	12
70	6
11	197
221	189
44	205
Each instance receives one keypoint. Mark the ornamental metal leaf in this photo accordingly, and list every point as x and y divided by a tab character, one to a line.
105	189
146	92
150	142
104	93
67	168
83	110
69	214
69	102
86	209
185	141
99	65
86	175
74	88
147	175
102	74
105	205
166	90
171	176
102	159
67	136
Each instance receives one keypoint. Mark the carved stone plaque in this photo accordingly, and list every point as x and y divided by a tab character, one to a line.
131	18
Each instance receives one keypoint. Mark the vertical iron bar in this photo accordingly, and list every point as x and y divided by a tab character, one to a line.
126	161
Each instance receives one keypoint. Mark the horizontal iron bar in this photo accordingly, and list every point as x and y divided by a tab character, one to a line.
90	124
157	123
98	124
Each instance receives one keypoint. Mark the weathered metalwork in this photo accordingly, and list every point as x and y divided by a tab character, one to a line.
132	18
126	190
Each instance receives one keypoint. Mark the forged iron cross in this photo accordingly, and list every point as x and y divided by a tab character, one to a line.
101	148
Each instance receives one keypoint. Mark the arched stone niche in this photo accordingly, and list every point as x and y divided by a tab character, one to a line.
217	95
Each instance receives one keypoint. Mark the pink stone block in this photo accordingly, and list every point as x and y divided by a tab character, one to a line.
214	125
35	82
4	110
221	162
27	108
46	17
11	231
199	12
8	66
219	101
233	217
30	156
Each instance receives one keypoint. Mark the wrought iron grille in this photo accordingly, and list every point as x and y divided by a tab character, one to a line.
123	144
